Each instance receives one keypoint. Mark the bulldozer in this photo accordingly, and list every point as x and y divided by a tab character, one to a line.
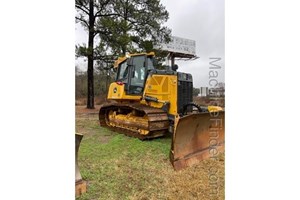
147	102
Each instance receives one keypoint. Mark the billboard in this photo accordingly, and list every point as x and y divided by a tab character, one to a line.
180	45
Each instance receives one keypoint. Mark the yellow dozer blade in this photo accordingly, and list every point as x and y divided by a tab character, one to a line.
197	137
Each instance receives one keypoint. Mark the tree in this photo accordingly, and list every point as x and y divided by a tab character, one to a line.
122	25
88	11
136	27
196	92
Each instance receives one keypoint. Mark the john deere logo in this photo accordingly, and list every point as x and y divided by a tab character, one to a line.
115	90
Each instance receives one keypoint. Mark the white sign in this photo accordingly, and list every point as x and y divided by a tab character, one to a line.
180	45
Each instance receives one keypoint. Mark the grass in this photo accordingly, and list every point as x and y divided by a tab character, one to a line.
120	167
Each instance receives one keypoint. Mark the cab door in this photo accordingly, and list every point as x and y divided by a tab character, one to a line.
137	74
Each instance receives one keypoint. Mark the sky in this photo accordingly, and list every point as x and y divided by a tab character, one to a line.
199	20
41	60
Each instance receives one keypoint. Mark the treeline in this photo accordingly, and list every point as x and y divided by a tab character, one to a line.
102	80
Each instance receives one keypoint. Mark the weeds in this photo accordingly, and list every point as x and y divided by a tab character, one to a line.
121	167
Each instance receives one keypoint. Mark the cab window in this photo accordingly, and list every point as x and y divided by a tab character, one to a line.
123	72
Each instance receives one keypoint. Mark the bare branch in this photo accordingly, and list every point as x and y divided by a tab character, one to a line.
102	7
83	9
98	31
83	21
106	15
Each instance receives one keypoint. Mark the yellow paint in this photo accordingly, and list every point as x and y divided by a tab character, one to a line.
214	108
123	58
128	119
117	92
164	88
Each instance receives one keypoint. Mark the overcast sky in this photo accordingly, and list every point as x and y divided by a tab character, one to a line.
199	20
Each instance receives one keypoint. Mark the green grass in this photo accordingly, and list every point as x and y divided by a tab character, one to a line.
120	167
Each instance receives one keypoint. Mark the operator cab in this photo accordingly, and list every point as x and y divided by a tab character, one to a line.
133	73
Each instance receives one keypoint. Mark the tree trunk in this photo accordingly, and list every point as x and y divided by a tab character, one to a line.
90	82
124	50
90	99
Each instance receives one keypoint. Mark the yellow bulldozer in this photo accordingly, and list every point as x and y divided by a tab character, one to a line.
146	102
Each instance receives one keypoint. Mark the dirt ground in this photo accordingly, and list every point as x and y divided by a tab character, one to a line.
120	167
81	110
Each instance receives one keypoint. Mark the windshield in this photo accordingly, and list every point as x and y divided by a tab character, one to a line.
150	63
133	73
123	71
138	75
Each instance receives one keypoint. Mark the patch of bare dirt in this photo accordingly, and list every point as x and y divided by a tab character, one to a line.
84	110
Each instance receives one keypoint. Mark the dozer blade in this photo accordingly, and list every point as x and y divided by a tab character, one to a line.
78	138
80	185
197	137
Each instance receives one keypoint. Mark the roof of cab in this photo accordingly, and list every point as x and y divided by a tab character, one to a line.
122	59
